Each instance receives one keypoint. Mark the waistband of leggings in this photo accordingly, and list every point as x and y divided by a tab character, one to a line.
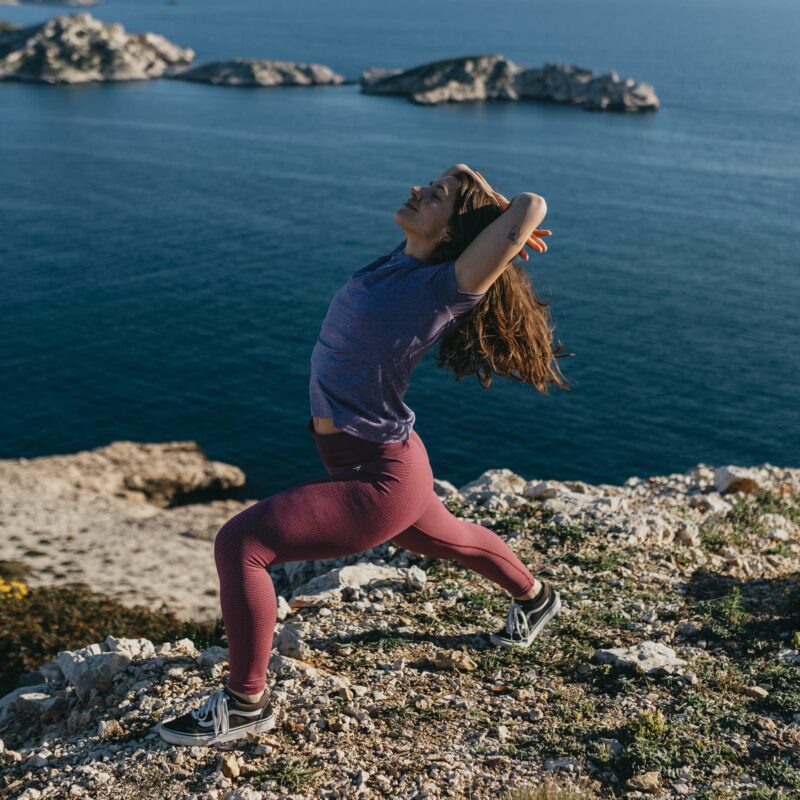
347	442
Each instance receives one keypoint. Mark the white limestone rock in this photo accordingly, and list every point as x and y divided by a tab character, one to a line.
8	701
445	489
327	588
494	77
541	490
91	667
261	72
416	577
135	648
496	488
730	479
288	642
284	609
712	502
650	658
212	655
77	48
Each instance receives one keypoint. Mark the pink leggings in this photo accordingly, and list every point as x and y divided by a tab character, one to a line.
373	493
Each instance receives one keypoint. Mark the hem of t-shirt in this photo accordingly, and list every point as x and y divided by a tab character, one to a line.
360	435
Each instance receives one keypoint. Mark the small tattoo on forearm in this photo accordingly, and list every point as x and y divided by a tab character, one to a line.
513	234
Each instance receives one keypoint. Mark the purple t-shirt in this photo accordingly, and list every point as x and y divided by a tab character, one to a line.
378	327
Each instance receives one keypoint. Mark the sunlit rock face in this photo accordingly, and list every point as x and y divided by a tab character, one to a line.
266	72
78	48
494	77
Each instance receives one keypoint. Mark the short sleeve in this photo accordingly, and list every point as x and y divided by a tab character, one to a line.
444	288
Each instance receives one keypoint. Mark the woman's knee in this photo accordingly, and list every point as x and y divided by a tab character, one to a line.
225	543
234	544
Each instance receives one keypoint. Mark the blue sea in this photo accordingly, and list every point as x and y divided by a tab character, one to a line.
168	250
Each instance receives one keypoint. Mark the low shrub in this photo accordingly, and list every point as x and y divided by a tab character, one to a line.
36	623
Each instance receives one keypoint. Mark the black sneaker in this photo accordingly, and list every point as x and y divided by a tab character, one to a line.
222	718
523	623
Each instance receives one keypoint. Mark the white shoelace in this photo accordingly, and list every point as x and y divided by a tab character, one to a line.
217	708
517	621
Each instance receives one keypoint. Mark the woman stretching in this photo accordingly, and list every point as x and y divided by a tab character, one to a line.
451	280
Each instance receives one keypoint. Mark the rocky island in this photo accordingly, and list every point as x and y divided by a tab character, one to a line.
77	48
673	670
263	72
494	77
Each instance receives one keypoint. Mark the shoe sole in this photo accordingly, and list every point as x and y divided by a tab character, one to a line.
173	737
554	609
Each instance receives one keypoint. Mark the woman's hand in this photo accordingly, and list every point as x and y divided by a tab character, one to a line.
534	240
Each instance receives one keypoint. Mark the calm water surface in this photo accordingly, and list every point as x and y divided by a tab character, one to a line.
168	250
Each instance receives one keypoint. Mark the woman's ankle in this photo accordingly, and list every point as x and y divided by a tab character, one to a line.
248	698
532	592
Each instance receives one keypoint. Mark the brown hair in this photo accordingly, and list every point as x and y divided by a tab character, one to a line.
507	332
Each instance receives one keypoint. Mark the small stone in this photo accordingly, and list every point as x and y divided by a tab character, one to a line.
107	729
284	609
40	759
454	659
230	766
566	764
690	678
416	578
645	782
212	655
688	628
756	692
289	643
614	746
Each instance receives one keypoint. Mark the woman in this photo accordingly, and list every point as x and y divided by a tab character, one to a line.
450	280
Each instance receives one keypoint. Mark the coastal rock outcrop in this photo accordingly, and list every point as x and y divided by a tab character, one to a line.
161	474
399	654
77	48
263	72
494	77
132	520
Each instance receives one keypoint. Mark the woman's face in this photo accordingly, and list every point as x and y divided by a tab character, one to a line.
428	210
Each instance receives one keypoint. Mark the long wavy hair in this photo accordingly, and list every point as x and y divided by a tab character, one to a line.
508	332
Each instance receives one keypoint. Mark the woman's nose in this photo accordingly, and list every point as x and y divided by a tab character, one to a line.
415	191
